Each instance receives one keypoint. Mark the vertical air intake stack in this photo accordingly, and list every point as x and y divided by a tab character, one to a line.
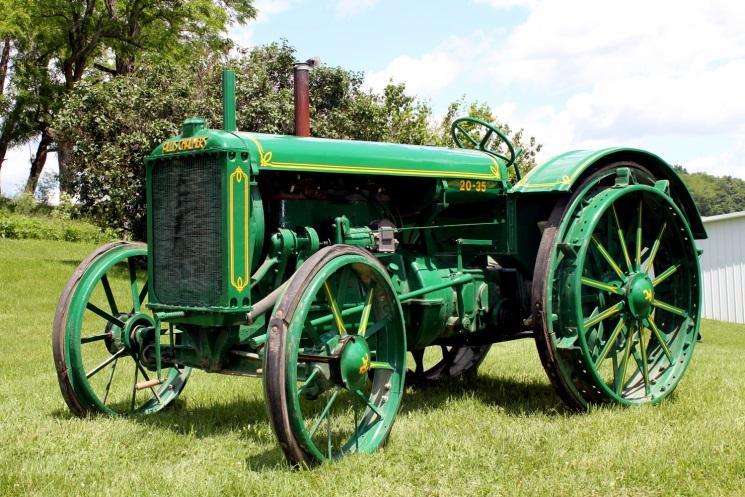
228	101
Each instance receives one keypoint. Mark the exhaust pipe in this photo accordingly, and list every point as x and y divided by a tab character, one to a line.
302	99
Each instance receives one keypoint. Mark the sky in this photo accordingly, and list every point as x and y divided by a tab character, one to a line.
666	76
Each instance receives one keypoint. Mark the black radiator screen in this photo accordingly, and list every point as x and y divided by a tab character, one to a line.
187	234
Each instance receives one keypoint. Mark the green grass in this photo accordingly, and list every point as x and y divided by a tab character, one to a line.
503	434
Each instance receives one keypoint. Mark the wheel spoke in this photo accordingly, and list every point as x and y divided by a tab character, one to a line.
108	317
95	338
356	423
665	274
363	398
615	365
610	342
670	308
313	334
334	309
328	434
655	247
366	313
645	364
639	238
376	327
108	384
601	286
607	257
660	338
625	360
610	311
133	284
307	381
105	363
324	413
109	295
134	390
621	238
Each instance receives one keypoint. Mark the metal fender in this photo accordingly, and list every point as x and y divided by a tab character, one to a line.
562	172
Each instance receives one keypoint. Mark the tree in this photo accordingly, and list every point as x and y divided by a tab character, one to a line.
714	195
62	39
175	29
13	22
110	125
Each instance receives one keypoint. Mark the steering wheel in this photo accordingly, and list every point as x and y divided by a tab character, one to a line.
456	130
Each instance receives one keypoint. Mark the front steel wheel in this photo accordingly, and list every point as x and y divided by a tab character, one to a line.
617	292
335	357
99	367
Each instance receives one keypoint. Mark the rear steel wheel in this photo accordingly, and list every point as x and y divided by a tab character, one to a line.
335	357
617	292
100	309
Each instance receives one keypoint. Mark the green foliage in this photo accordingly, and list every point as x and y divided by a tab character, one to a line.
23	226
24	217
110	125
25	204
14	18
714	194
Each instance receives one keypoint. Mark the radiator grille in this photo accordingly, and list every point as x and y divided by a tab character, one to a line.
187	233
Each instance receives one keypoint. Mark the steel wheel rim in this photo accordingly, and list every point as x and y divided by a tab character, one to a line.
78	310
373	418
643	369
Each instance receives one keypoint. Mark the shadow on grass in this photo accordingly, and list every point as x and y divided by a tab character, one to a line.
201	421
249	416
516	398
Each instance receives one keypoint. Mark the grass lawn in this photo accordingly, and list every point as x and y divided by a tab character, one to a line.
505	433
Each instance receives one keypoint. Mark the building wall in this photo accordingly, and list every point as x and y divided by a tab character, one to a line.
723	267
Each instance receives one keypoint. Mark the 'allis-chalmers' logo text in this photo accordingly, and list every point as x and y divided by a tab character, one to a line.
185	144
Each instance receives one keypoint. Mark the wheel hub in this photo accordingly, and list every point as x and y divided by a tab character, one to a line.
115	335
354	362
137	332
639	295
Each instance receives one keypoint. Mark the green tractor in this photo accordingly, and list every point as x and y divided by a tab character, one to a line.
317	265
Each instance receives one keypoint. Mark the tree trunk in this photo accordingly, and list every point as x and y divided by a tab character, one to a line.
7	131
3	151
4	62
124	64
38	161
64	183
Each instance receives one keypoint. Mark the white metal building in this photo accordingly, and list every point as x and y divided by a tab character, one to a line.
723	267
